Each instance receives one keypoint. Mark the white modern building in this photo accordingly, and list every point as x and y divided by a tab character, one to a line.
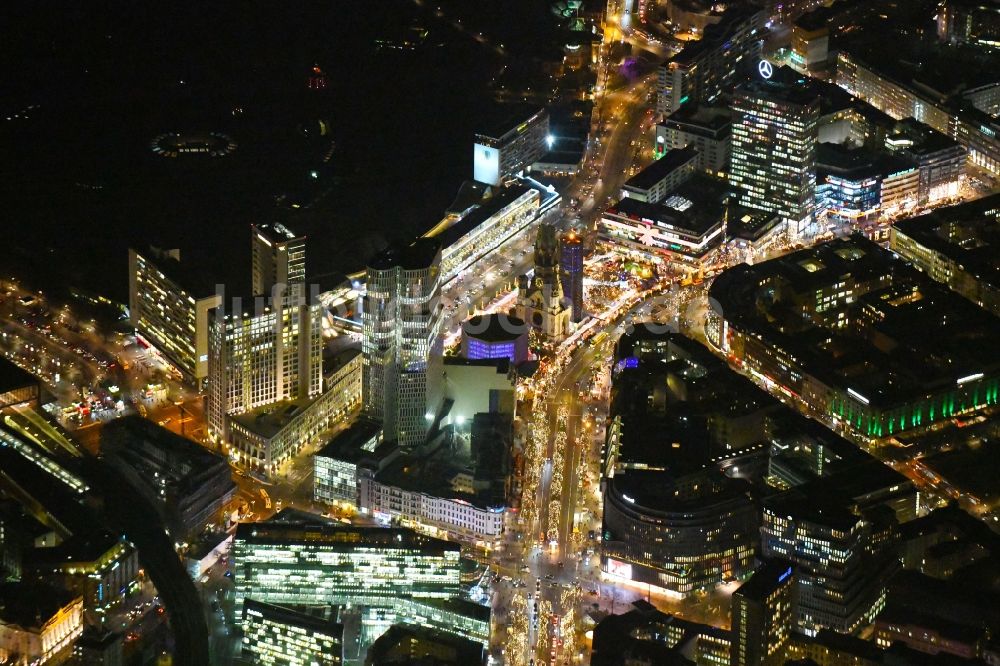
502	152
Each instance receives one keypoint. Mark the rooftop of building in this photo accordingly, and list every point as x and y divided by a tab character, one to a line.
12	377
802	504
417	645
82	547
268	420
857	163
696	207
643	632
718	33
750	223
94	638
337	535
785	86
276	232
348	445
668	492
193	277
31	605
903	617
668	399
487	208
889	360
938	71
844	644
765	580
919	139
334	362
418	254
494	327
714	118
508	119
292	617
182	462
968	234
661	168
470	193
434	474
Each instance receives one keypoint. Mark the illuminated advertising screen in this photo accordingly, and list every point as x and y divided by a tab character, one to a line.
622	569
486	164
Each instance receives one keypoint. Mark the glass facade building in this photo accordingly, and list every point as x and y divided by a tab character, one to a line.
278	636
402	343
773	149
318	564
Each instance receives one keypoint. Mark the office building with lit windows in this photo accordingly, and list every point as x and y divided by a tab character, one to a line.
274	635
773	148
704	128
279	257
954	246
261	351
940	160
974	22
856	185
510	146
664	175
170	305
963	116
264	437
402	343
842	327
763	616
843	559
349	455
320	563
707	70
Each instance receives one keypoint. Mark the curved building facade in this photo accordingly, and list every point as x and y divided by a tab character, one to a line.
682	536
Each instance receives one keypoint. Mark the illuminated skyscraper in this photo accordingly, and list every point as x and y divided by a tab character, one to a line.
279	257
270	347
402	344
571	266
773	152
763	616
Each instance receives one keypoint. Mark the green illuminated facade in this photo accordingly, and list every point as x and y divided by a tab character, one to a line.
852	332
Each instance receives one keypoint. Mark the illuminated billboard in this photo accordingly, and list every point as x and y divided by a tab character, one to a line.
486	164
621	569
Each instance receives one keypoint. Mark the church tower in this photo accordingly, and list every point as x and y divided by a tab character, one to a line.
540	301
